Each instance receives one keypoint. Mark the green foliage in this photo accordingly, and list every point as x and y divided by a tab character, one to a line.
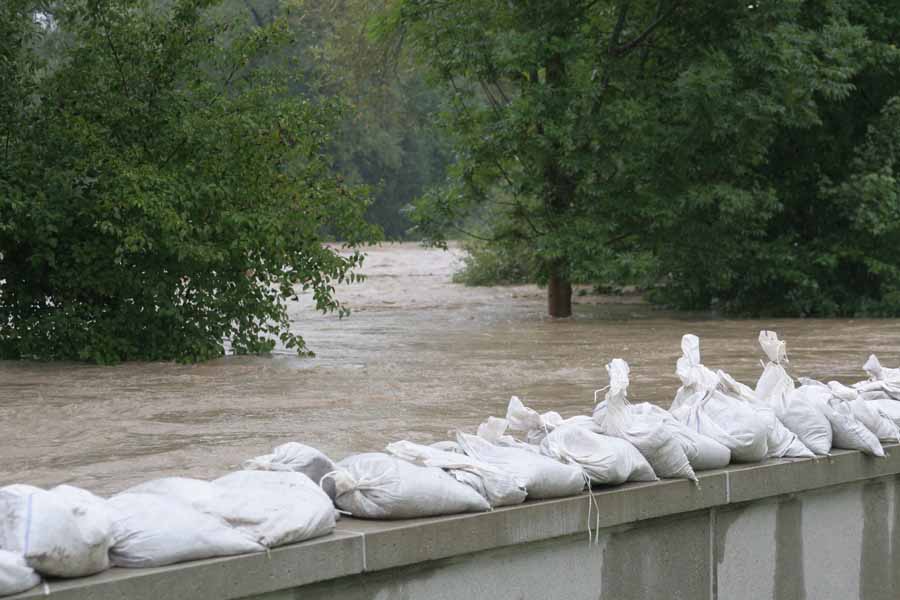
160	191
387	140
493	264
731	155
776	218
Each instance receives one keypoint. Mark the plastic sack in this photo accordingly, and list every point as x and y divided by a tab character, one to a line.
542	476
494	431
64	532
888	408
295	457
532	425
528	421
604	459
847	432
379	486
702	451
695	378
781	441
775	388
271	508
152	530
778	382
882	384
448	446
650	435
295	508
496	486
15	574
878	390
878	373
869	414
729	421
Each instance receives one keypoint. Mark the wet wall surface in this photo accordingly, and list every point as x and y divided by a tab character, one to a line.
418	357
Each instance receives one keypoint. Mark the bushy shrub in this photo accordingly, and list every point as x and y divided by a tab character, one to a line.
160	191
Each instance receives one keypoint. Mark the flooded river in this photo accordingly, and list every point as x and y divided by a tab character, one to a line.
419	356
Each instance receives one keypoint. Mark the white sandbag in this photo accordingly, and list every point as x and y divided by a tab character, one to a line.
802	416
448	446
698	380
702	451
875	420
15	574
888	408
295	457
878	390
271	507
152	530
64	532
494	431
529	424
496	486
877	372
695	378
289	506
780	441
847	432
882	384
850	433
729	421
528	421
650	435
543	477
379	486
869	414
604	459
775	389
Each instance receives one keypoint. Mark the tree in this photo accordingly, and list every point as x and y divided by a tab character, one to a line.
792	173
532	85
703	150
158	195
386	139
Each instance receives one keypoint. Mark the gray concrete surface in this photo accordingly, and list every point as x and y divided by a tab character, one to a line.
816	529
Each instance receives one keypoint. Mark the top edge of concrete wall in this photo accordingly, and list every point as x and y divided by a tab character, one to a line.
359	546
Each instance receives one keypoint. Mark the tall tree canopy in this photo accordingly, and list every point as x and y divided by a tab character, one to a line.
731	154
160	189
387	139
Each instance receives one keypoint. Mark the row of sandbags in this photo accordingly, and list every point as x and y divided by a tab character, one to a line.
714	421
69	532
291	494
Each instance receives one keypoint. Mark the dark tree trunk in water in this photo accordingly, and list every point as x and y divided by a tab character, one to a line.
560	190
559	297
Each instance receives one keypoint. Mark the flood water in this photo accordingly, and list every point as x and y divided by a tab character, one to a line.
419	356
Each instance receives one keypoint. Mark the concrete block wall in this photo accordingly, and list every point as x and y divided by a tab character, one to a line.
785	529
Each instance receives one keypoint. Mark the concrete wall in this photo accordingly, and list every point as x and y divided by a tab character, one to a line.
820	530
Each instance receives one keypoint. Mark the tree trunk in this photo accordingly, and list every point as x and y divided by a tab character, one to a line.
558	199
559	297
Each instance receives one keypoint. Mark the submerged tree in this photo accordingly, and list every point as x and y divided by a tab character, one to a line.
528	82
157	196
711	151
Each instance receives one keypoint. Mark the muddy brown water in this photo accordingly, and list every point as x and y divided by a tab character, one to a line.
418	357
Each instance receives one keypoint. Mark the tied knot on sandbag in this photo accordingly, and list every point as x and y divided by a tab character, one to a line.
345	482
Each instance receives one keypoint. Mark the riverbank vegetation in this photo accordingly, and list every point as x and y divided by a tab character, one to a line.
161	190
736	156
170	167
